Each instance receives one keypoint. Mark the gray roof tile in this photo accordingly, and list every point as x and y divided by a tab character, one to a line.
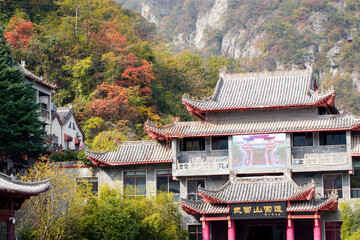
25	188
355	145
314	204
200	207
64	114
259	189
35	78
262	90
137	152
199	128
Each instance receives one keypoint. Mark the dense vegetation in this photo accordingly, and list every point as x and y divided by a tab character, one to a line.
21	132
350	217
117	71
108	62
70	210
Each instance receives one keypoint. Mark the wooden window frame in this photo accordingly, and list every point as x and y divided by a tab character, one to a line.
135	195
218	149
332	189
333	229
197	196
169	175
306	139
183	146
198	234
322	142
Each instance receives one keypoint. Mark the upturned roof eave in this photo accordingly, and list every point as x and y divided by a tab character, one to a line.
193	107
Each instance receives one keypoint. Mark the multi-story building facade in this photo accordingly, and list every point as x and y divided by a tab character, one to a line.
269	158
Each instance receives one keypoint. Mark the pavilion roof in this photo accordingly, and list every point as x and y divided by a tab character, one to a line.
133	152
334	122
261	90
259	189
10	186
318	203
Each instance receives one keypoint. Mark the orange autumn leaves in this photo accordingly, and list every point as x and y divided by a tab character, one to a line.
18	32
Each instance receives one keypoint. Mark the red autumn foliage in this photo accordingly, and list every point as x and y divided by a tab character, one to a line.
140	75
107	38
18	32
110	103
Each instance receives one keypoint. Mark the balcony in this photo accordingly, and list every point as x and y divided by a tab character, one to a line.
325	159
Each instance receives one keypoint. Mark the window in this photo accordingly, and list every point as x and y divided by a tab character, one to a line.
333	183
219	143
332	230
322	111
91	183
4	230
302	139
195	232
332	138
355	184
192	144
192	188
135	183
165	183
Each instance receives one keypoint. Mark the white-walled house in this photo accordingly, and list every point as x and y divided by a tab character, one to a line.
43	94
66	127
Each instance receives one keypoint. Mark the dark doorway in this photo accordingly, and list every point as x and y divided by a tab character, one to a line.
272	232
219	230
304	229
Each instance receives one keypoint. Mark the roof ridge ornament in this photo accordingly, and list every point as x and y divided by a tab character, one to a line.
223	71
287	172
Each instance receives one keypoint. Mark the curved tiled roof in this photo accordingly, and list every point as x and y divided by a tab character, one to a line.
137	152
199	128
36	78
262	90
315	204
259	189
7	185
355	145
201	207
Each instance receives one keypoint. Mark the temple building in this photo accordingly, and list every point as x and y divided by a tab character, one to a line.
12	195
270	158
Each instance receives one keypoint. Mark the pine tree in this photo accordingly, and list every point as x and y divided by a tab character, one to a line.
20	130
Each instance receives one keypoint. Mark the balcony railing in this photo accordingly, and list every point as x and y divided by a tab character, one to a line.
212	163
321	159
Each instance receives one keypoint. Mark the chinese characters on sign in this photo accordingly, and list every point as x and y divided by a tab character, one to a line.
258	210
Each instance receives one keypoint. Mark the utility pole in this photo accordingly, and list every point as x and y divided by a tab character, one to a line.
76	13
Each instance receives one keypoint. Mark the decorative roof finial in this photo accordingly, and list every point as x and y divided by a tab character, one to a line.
287	172
232	175
223	71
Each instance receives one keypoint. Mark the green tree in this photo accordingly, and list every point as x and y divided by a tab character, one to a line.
114	216
350	217
20	130
52	215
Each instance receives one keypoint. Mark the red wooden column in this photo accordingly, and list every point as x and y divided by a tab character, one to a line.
317	226
12	224
231	230
205	230
290	228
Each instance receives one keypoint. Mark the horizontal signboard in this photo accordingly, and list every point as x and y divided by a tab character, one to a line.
258	210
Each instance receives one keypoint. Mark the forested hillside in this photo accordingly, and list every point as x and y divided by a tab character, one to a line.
108	62
268	35
118	69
